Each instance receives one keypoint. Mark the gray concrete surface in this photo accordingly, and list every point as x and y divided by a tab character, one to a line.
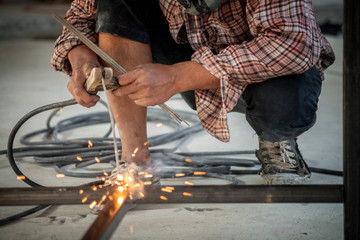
27	82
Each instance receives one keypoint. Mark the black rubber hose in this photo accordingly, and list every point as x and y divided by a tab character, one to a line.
17	127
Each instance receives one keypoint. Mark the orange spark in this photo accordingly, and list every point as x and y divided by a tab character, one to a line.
163	198
90	144
106	174
111	198
148	176
148	183
60	175
97	159
170	188
166	190
20	177
79	158
92	205
199	173
141	173
188	160
60	109
188	183
136	150
146	143
130	179
94	188
141	195
84	199
159	125
187	194
131	228
180	174
81	191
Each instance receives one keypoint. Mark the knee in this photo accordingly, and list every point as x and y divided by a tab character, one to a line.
284	112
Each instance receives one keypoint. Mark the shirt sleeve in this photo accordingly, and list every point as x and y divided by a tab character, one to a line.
82	15
286	40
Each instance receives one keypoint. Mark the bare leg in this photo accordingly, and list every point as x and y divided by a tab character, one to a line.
130	118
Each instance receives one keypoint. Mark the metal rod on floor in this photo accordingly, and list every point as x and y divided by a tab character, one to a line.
109	218
181	194
351	116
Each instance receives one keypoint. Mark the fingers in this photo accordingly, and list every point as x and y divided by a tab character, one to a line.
76	86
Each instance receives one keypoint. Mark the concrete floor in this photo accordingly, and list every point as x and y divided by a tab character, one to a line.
27	82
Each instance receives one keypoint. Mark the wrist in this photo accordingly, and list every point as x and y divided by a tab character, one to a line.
80	55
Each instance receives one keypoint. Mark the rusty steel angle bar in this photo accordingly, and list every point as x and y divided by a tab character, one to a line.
199	194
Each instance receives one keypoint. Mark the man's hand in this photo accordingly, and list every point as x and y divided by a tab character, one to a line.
82	60
148	84
153	84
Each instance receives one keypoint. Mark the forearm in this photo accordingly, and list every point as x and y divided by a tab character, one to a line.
81	15
193	76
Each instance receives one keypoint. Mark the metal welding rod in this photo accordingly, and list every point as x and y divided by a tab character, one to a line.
111	62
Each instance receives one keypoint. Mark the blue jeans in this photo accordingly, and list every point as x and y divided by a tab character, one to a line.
277	109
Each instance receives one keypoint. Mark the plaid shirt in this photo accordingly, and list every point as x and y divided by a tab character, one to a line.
241	42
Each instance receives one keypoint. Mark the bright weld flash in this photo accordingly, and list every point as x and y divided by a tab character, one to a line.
121	200
121	189
120	177
20	177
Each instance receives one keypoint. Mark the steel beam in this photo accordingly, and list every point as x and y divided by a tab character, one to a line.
109	218
351	115
199	194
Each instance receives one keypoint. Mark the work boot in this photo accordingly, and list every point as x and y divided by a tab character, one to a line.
281	162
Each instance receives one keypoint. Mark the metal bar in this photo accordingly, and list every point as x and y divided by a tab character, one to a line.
51	196
109	218
112	62
200	194
351	116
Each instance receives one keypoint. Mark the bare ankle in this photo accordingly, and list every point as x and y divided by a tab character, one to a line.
137	155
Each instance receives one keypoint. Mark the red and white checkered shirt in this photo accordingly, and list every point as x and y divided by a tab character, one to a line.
241	42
